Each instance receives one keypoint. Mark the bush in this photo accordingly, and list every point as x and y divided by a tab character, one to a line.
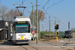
42	35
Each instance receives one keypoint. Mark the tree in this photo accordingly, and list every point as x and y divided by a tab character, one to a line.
0	7
0	13
41	16
3	11
8	15
12	13
31	16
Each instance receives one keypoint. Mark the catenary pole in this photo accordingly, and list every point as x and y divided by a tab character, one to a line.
39	27
33	18
37	20
49	27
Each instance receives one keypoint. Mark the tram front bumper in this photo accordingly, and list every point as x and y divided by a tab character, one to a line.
22	41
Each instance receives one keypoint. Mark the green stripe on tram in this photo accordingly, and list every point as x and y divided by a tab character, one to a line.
22	25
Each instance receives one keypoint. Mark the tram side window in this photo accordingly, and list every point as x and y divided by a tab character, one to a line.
28	28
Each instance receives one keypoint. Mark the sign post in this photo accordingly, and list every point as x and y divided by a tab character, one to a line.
69	25
33	32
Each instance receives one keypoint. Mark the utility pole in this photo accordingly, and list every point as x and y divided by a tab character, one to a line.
49	28
42	27
37	16
39	27
33	19
37	20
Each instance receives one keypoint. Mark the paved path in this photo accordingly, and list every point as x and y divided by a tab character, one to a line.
30	48
43	45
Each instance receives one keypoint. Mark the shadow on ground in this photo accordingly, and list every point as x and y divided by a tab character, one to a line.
10	43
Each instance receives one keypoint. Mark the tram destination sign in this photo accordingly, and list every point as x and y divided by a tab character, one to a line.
21	22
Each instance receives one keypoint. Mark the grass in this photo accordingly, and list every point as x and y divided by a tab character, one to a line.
62	38
73	36
53	39
47	32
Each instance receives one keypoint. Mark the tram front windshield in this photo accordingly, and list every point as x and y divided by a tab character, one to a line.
22	28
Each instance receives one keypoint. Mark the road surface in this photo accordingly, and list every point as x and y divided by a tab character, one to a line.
43	45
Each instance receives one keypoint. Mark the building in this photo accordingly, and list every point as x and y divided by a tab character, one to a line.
5	30
73	32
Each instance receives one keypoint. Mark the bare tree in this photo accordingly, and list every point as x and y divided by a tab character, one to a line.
8	15
0	12
3	11
41	16
12	13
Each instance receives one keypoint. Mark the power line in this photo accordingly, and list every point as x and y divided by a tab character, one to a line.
54	4
50	15
18	1
43	2
35	4
49	7
53	16
44	6
23	1
46	3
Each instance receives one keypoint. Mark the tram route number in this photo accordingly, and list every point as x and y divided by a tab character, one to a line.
22	35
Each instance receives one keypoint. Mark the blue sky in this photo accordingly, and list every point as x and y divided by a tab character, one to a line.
64	11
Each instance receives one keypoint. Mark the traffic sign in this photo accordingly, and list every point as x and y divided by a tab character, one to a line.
33	32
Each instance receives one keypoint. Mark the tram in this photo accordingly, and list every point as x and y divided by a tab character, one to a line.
21	30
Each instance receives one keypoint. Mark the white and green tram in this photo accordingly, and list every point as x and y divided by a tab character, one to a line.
21	30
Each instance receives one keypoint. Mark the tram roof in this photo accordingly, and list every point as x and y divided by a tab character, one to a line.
21	17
